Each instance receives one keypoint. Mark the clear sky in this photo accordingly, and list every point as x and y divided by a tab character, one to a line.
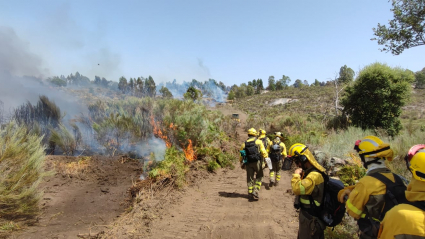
233	41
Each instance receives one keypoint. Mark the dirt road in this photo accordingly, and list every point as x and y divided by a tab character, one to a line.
219	208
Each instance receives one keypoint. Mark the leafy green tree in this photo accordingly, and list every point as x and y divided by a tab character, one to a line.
420	79
165	92
260	86
316	83
122	85
406	30
346	75
376	98
150	87
192	94
272	83
298	84
56	81
231	95
250	90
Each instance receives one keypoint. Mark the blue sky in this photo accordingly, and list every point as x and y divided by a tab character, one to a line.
233	41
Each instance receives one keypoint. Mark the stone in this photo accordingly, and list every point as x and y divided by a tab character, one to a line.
320	157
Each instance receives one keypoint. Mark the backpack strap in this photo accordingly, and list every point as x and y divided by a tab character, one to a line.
389	184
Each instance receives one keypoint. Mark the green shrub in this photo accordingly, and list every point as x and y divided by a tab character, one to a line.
21	170
173	166
62	138
350	174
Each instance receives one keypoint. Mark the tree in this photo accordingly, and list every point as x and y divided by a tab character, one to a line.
272	84
316	83
165	92
406	30
122	85
420	79
250	90
150	87
346	75
260	86
305	83
56	81
192	94
376	98
231	95
298	83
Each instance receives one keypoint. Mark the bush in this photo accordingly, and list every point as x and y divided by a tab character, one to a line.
376	98
21	170
64	140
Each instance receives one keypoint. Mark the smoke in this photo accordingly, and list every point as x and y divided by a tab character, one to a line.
20	77
16	58
209	89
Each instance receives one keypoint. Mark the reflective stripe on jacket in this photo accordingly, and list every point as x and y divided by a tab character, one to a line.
368	196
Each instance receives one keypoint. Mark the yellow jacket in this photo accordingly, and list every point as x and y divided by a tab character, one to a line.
311	184
282	146
405	221
259	145
368	196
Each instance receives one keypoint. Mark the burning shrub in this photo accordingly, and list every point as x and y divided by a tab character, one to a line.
21	170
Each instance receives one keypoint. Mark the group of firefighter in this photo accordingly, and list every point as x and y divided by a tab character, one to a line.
380	202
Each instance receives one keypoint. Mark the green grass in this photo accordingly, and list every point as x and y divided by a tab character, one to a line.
21	170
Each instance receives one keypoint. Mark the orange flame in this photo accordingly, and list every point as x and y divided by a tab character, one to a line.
158	133
189	152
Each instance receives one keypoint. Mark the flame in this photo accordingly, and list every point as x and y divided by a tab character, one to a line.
189	152
158	133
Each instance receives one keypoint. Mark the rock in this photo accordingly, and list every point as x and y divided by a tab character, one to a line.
320	157
104	190
337	161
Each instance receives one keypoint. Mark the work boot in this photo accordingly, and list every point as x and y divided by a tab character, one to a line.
271	184
276	183
255	195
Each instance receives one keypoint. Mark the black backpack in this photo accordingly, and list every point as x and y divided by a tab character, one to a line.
394	195
275	151
331	211
252	152
395	192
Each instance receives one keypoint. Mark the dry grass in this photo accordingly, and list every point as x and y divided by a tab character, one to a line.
73	169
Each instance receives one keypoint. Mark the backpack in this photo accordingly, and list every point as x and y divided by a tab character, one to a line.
275	151
252	152
331	211
395	192
264	140
394	195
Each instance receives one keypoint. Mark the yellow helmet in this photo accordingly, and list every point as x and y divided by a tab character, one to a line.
252	132
261	132
301	153
373	148
415	160
278	134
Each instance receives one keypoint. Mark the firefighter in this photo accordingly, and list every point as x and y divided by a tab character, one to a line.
307	183
277	152
266	142
253	152
366	199
406	221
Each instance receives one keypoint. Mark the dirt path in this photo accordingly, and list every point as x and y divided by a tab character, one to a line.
82	203
219	208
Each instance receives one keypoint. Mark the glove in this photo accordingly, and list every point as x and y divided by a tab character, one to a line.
344	193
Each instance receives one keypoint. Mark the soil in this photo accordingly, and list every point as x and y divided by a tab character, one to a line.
213	205
85	203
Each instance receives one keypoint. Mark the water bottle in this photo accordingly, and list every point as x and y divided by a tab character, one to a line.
269	163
